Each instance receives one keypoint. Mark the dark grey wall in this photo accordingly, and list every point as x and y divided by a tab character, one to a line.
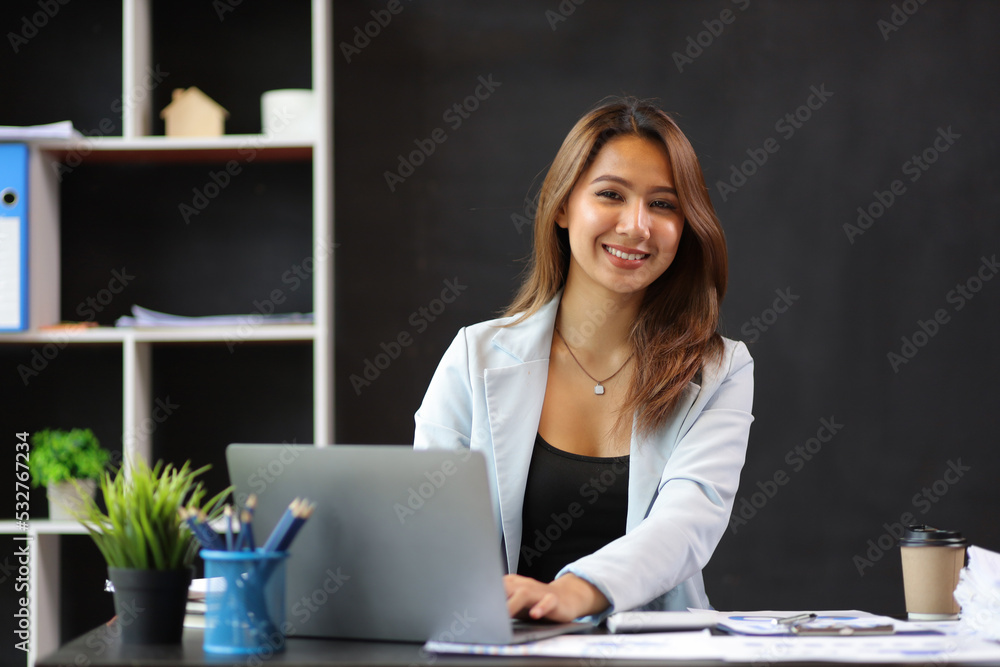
852	436
458	223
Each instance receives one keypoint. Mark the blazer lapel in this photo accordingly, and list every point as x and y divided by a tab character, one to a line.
514	396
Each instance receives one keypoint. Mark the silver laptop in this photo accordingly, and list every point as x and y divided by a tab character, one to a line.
402	545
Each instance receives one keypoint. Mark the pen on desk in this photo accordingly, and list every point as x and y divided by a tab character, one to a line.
795	620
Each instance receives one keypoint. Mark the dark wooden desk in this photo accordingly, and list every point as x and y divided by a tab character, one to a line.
102	647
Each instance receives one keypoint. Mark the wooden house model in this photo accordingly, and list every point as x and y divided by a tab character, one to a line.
192	113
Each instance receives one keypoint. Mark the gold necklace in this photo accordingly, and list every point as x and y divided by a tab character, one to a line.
599	387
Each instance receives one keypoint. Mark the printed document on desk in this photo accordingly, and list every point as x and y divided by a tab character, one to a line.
759	623
765	641
885	649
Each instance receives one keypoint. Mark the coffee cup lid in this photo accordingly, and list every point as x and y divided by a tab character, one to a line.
928	536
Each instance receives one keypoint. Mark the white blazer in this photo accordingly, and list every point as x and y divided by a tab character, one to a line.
487	395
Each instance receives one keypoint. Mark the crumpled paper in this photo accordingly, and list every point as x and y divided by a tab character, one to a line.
978	592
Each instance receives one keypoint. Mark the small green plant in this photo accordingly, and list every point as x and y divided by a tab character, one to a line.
60	456
142	528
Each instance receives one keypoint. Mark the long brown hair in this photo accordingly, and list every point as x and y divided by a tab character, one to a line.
674	335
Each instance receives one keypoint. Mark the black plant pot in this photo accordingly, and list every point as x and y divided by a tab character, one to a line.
150	604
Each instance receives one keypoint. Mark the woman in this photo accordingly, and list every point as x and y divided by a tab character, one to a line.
613	418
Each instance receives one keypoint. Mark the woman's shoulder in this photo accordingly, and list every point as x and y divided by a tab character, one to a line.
732	358
518	325
735	350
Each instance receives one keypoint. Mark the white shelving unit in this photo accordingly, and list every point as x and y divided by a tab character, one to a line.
135	145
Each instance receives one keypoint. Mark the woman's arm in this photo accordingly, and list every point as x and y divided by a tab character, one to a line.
693	504
444	419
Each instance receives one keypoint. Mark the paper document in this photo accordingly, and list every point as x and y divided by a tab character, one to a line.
61	130
144	317
893	649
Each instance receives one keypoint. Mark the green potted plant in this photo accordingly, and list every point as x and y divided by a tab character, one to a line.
148	547
67	463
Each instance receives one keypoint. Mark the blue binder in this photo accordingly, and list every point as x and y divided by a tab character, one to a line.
13	237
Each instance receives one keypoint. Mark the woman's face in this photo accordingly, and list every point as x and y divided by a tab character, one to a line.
623	217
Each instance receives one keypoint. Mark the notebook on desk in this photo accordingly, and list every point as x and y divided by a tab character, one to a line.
402	545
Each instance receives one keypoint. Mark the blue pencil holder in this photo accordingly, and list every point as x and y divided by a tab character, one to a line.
244	601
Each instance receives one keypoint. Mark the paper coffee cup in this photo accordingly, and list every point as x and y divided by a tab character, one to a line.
932	560
289	113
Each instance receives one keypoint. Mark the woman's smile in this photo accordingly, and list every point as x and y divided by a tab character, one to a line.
623	217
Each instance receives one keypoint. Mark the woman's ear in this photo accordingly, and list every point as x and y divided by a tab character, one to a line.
561	217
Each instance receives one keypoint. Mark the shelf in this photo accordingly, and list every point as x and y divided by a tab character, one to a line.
155	157
212	334
241	147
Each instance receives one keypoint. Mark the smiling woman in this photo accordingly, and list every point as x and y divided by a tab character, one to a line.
614	415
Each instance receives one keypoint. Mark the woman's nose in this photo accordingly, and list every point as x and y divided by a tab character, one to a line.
635	222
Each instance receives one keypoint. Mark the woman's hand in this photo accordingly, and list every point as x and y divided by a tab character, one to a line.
565	599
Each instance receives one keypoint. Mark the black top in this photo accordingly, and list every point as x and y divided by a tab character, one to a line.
573	506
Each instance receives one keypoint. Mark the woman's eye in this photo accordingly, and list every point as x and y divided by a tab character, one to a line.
665	205
609	194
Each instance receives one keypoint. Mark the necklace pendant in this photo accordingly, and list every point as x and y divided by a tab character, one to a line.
599	389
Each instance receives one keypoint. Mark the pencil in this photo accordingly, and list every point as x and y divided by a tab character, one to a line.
208	537
228	511
248	511
281	527
303	512
246	532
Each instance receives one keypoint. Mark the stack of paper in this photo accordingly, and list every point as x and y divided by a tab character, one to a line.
144	317
61	130
978	592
